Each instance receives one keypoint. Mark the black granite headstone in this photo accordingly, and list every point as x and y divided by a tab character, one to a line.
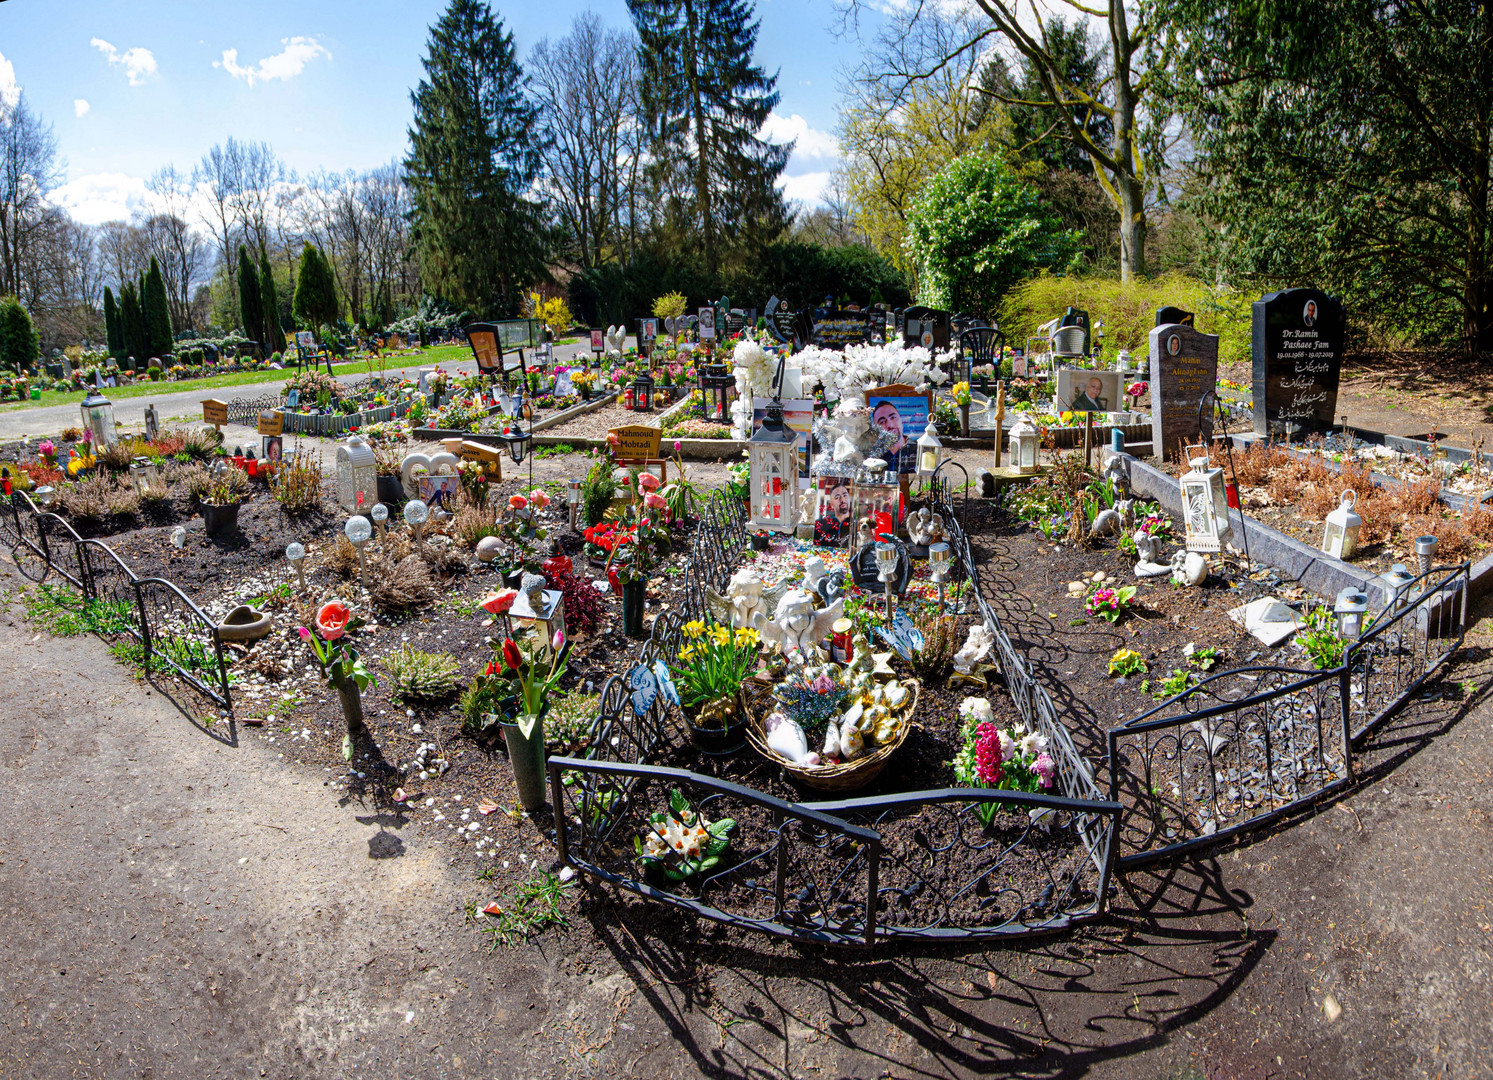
867	575
1168	315
1184	368
735	321
1297	341
834	329
926	327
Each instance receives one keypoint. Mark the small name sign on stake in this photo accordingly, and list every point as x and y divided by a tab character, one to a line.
637	441
271	423
215	412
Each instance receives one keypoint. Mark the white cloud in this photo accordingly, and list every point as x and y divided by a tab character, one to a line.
10	90
80	107
807	188
101	197
810	142
137	62
284	65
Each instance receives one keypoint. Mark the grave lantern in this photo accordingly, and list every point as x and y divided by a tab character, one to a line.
1023	448
875	494
147	478
642	388
357	475
1396	584
98	417
716	383
546	619
517	439
1205	504
772	454
1340	534
45	495
930	452
1350	609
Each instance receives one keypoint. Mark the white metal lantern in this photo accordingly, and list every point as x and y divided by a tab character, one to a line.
545	620
1205	505
1340	534
875	494
98	417
1350	609
1023	445
773	458
930	452
357	476
1396	584
147	478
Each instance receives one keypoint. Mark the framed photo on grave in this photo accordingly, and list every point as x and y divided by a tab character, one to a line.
659	467
902	410
271	448
706	324
1082	390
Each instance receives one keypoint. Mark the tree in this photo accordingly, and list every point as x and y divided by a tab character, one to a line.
132	324
315	303
704	102
474	155
251	311
975	230
587	88
157	314
1346	144
113	334
269	304
28	174
19	349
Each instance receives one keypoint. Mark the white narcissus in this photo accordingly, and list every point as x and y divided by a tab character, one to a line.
753	372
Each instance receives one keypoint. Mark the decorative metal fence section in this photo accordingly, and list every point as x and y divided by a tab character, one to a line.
247	410
174	630
789	870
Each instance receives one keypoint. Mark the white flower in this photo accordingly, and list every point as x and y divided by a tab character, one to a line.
1008	745
1032	744
979	708
752	369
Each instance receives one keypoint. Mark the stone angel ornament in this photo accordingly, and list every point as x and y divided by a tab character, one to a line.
925	528
746	596
616	340
796	628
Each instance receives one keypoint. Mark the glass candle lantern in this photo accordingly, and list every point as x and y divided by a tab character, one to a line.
772	453
875	495
545	619
930	453
518	441
1205	504
1396	585
146	477
98	418
573	500
1340	533
416	513
1350	609
642	388
1023	445
357	476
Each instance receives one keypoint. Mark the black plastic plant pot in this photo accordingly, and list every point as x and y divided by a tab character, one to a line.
219	519
634	596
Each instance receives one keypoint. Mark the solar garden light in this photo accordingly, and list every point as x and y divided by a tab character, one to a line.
380	515
573	501
416	513
45	495
940	559
886	570
358	531
296	555
1396	586
1350	609
147	477
1425	551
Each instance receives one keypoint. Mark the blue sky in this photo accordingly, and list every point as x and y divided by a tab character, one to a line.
130	87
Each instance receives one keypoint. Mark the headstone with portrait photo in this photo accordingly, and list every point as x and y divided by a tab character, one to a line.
926	328
1165	316
1184	368
1297	342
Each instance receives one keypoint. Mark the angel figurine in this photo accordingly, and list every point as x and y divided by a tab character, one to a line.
796	629
746	596
925	528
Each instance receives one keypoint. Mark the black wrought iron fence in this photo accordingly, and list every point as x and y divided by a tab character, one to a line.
108	580
247	410
180	635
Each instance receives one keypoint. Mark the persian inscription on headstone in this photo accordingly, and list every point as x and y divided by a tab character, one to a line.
1176	315
735	322
1184	367
1297	342
926	328
834	329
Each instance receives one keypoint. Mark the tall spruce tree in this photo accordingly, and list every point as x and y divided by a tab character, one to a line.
250	308
112	332
315	301
132	324
269	302
19	349
704	102
157	311
474	155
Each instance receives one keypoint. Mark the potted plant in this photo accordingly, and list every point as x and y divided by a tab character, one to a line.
532	671
340	666
709	671
219	499
962	397
583	381
641	539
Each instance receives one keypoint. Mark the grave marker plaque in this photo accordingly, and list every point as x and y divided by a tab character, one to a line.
1297	342
834	329
1168	315
1184	367
637	441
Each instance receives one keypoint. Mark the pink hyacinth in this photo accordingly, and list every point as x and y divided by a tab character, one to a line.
1044	767
988	754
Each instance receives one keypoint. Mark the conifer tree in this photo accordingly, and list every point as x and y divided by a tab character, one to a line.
704	102
269	302
19	349
315	302
474	155
132	324
251	313
157	312
112	332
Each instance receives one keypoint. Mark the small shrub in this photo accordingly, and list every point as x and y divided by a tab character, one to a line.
296	485
399	586
471	525
202	443
416	675
583	603
935	660
115	459
597	491
99	496
220	488
71	435
342	559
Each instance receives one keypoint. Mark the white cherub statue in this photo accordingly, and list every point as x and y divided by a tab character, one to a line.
813	572
796	629
746	597
976	647
925	527
1145	547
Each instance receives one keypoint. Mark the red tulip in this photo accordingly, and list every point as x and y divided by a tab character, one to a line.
332	620
511	656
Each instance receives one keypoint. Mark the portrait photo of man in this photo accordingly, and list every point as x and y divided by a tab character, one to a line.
832	522
1092	398
1310	316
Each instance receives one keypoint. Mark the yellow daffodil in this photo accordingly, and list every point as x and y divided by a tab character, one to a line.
746	637
720	635
694	629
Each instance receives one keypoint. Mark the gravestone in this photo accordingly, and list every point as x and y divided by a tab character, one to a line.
1297	343
926	328
735	322
1184	367
835	329
867	575
1168	315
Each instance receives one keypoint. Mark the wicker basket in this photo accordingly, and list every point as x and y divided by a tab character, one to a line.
847	776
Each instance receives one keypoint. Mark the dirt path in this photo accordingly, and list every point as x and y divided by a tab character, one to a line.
179	905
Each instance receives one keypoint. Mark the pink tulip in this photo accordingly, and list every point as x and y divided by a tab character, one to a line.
305	634
648	482
654	500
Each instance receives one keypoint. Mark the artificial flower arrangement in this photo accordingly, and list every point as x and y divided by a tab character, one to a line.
641	539
518	528
849	374
856	713
681	842
1011	759
582	379
340	664
525	670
